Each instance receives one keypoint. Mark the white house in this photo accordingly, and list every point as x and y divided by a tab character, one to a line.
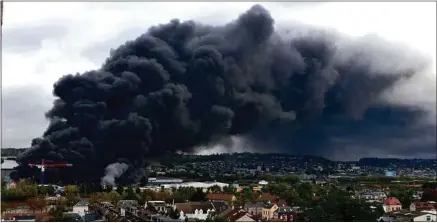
160	206
198	214
426	216
81	208
194	210
410	216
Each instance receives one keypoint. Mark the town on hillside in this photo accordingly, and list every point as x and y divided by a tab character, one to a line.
264	189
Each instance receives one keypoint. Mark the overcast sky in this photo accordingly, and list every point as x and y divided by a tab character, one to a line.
43	41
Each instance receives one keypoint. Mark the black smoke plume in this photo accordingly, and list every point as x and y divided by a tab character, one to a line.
183	84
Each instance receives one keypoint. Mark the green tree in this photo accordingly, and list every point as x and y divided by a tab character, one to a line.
198	195
130	194
268	177
403	195
107	188
220	219
174	213
229	189
120	190
113	197
291	179
215	189
338	206
71	193
21	192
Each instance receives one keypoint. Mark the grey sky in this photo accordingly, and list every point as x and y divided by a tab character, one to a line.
55	39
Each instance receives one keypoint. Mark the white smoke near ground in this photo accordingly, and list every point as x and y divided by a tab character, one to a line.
233	144
112	172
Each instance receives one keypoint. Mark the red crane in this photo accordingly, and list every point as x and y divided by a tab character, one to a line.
43	165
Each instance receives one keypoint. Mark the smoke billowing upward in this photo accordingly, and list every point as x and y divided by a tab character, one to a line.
112	172
183	85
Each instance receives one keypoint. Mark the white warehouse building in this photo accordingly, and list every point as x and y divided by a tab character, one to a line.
203	185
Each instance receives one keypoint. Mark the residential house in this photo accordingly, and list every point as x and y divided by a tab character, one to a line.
238	215
256	188
195	210
268	211
372	195
220	206
391	204
280	202
221	197
426	216
409	216
81	208
285	214
160	206
127	205
268	197
417	195
254	208
423	206
160	218
38	209
315	198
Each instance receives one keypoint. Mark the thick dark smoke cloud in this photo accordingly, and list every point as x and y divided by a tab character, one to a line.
184	84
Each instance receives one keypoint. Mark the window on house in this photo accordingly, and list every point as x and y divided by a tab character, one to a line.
428	218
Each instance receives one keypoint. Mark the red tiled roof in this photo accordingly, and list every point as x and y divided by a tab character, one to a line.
315	198
235	214
191	207
425	205
257	217
280	202
392	201
220	196
268	197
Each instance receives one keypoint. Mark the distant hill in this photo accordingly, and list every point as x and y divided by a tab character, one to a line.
179	158
387	162
272	157
12	151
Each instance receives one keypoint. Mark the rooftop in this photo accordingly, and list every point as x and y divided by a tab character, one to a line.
392	201
235	214
193	206
284	210
82	204
220	196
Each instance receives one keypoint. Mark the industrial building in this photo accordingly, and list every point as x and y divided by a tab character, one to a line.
7	166
159	181
390	173
203	185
